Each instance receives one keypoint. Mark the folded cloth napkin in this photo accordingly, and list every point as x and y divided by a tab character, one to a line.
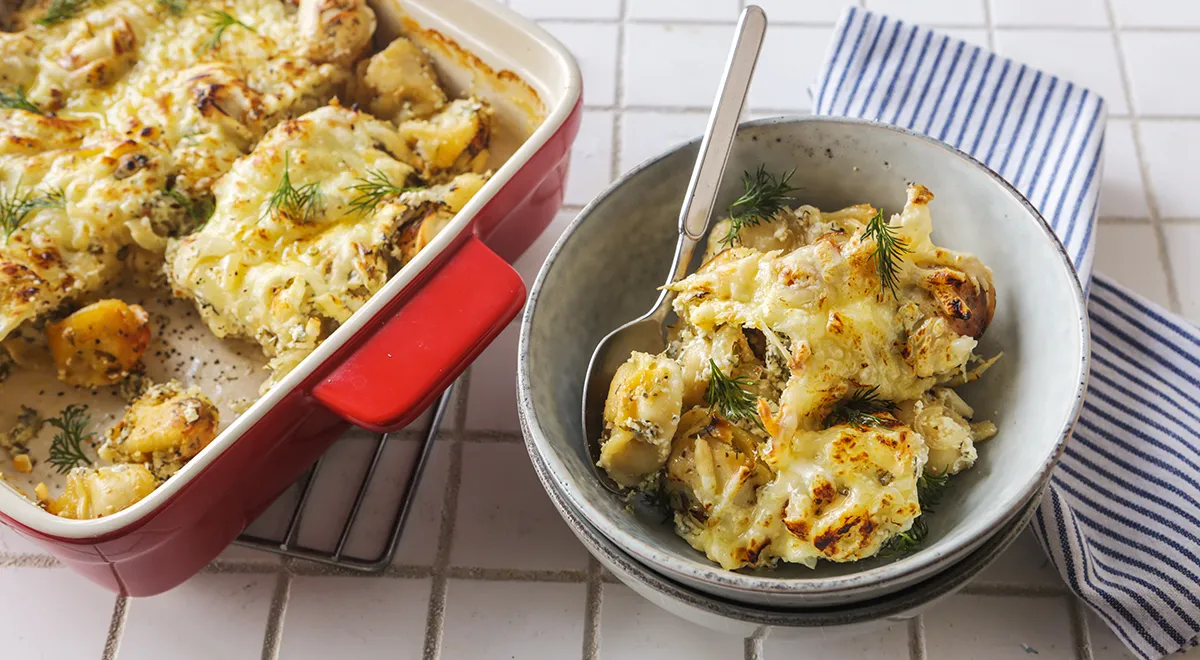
1121	516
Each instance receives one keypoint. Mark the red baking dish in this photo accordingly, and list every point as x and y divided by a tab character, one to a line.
389	361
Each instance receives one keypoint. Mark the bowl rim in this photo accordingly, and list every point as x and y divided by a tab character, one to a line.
904	570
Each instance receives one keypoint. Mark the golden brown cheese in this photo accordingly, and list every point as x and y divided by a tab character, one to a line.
151	106
794	310
287	282
99	344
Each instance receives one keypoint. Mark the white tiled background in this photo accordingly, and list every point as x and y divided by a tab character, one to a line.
487	570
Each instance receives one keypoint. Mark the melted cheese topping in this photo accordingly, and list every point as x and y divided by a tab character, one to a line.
797	311
287	282
144	101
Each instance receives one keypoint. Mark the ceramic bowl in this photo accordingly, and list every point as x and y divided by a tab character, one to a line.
745	620
604	271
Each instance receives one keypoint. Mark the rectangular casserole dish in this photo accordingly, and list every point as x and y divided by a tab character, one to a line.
392	358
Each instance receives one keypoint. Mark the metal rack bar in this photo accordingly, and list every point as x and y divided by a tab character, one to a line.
288	545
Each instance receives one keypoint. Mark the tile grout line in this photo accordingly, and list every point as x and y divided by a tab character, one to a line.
753	645
1164	256
989	25
916	638
116	628
618	118
692	21
591	616
273	634
435	617
1079	629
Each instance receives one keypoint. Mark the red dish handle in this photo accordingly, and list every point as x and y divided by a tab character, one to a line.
408	361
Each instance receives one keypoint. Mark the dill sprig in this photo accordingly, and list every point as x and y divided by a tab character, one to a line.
861	409
221	21
66	450
930	489
60	10
371	190
729	398
300	205
176	7
16	100
763	197
199	210
16	206
889	251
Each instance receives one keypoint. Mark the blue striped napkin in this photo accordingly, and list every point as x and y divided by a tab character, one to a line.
1121	517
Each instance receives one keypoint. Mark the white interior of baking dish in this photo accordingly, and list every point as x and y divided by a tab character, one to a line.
530	108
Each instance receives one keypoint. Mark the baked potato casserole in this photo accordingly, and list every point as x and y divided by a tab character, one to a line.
804	408
254	157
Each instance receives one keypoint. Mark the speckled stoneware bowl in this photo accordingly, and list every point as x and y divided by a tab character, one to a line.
607	265
745	620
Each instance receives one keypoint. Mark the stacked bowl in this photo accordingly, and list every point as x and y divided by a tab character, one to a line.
605	271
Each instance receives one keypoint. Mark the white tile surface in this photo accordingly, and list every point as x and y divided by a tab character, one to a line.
504	519
933	12
683	9
1039	627
1129	254
1088	58
591	158
1022	563
890	643
1104	642
648	134
355	617
594	45
633	627
1158	63
804	11
687	63
37	603
1173	177
788	65
233	607
484	623
1076	13
1156	13
1183	244
599	9
13	543
1122	193
418	545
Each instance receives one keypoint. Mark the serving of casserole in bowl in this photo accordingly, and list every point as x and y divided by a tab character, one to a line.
229	229
814	391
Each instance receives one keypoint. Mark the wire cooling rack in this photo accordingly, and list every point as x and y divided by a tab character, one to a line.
289	544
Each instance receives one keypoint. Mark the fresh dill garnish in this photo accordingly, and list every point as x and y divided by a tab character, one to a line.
199	210
729	398
763	197
60	10
16	100
221	21
889	250
66	450
906	542
861	409
176	7
371	190
930	488
300	205
16	206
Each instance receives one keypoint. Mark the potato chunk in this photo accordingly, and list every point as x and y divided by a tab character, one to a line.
455	139
640	417
99	344
97	492
165	428
398	83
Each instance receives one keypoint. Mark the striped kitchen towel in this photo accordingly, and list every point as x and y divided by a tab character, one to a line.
1121	517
